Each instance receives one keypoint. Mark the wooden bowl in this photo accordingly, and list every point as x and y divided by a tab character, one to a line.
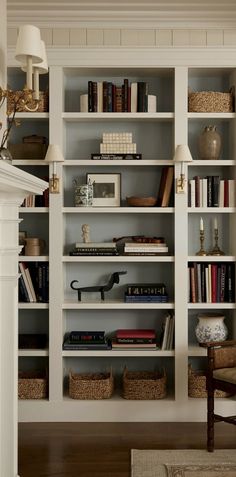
141	201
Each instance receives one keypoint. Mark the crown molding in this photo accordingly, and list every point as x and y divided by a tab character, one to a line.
187	13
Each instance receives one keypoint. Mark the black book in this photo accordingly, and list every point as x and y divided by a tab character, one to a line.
109	97
142	97
215	191
90	96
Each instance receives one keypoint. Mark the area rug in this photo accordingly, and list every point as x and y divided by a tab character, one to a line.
183	463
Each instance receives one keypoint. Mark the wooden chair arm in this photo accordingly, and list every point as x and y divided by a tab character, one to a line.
212	344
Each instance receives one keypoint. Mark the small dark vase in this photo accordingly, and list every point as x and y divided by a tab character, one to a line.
209	143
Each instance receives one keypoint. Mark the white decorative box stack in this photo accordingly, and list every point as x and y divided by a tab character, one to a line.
117	143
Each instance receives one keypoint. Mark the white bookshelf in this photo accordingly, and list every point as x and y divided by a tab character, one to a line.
156	134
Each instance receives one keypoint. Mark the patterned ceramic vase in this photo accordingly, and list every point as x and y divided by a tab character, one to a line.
211	327
83	195
209	143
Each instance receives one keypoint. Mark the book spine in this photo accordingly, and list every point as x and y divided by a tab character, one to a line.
146	298
215	191
105	99
95	96
90	96
142	290
109	97
125	96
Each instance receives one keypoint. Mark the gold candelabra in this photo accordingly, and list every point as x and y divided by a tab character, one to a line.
216	249
201	252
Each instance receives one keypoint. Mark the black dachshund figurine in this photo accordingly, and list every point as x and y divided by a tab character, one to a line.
115	278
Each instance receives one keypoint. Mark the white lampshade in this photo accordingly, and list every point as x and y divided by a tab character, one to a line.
54	154
182	153
29	44
43	65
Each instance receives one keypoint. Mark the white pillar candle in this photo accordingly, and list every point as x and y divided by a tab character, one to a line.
201	224
215	224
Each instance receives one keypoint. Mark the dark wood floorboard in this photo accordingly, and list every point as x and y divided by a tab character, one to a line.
103	449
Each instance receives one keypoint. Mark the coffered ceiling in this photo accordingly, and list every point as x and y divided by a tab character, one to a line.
199	13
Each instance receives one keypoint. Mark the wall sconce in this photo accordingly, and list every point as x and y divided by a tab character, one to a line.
54	155
31	52
182	155
38	69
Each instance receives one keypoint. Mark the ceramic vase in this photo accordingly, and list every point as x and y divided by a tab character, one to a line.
211	327
209	143
83	195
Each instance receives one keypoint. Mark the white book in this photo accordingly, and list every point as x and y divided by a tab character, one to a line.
134	97
231	186
95	244
192	193
23	273
152	103
146	249
207	285
221	194
166	328
27	272
100	97
84	103
204	192
169	344
145	244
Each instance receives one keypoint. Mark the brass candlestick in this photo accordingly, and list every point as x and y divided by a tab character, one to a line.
216	249
201	251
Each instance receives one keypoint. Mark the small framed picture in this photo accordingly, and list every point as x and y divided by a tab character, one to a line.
106	189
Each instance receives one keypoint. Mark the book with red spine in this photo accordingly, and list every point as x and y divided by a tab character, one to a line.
135	333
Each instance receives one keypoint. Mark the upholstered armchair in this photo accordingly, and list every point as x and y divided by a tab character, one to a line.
221	375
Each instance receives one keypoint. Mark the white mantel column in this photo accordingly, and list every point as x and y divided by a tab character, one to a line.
15	185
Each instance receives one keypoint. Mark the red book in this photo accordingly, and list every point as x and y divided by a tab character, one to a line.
214	283
135	333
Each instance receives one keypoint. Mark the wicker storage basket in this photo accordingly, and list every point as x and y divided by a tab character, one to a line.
42	108
197	385
32	385
144	384
210	102
91	385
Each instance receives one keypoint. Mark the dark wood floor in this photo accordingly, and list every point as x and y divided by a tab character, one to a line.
103	449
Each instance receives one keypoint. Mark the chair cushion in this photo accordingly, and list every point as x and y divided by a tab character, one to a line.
225	374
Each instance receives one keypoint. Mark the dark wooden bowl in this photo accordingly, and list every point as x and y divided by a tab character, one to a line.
141	201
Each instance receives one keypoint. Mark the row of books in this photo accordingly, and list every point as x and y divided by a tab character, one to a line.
106	96
211	191
211	282
34	282
122	339
34	200
167	339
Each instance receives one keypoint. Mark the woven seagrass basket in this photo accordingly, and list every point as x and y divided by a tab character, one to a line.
42	108
144	384
210	102
197	384
91	385
32	385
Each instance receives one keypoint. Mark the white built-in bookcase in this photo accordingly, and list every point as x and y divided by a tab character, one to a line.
156	135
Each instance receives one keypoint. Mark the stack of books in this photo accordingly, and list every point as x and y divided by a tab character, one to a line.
117	145
153	248
146	293
85	340
134	339
94	248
